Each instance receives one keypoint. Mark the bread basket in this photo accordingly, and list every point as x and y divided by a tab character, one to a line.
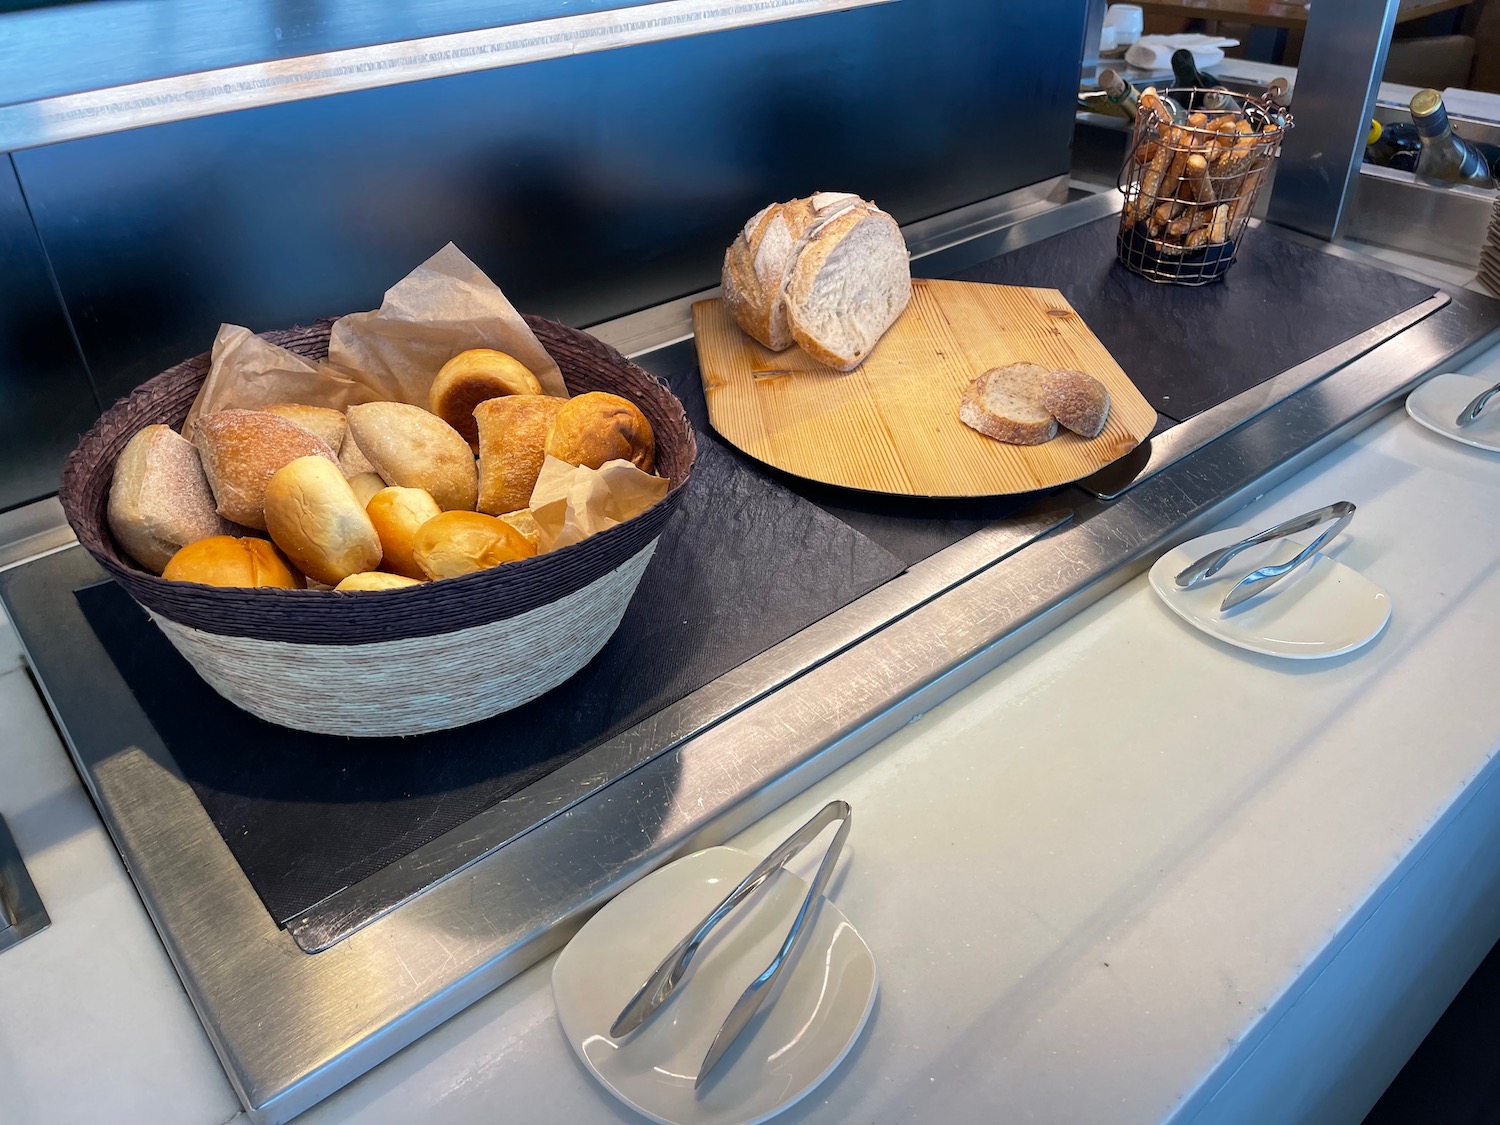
403	661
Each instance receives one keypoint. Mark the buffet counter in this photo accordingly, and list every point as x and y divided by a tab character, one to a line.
1130	875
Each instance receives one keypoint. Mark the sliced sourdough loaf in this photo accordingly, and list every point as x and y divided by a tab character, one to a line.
848	285
1005	403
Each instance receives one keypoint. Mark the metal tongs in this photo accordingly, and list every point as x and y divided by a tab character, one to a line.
1257	580
669	974
1471	412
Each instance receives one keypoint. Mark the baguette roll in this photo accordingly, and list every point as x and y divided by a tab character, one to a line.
241	451
223	560
512	445
314	516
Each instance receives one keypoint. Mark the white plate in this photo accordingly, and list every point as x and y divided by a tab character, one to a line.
1436	403
1323	609
796	1040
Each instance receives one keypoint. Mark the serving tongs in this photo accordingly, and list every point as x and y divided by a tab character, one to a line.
1471	412
673	968
1257	580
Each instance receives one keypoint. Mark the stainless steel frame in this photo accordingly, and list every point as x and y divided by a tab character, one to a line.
291	1027
152	102
21	911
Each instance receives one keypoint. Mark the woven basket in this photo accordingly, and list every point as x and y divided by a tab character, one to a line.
402	661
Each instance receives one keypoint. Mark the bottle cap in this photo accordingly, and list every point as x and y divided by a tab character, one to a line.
1374	134
1425	103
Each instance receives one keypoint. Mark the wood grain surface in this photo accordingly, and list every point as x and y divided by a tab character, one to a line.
891	425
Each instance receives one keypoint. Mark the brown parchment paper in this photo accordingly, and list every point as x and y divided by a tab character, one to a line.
572	502
444	306
248	373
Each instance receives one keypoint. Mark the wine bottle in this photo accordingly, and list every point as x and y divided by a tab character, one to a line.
1186	74
1446	157
1398	146
1118	89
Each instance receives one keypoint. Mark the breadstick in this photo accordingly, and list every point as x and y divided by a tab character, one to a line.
1218	227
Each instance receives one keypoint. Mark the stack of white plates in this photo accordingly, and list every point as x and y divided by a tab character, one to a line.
1489	257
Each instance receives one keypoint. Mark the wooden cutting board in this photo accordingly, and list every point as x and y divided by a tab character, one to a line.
891	425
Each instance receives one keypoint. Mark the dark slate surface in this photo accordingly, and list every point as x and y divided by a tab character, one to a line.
743	565
1190	348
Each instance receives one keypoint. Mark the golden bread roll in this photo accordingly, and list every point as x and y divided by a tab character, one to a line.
241	451
512	445
475	376
397	514
375	580
597	427
327	424
413	448
314	516
159	500
457	543
524	522
365	486
223	560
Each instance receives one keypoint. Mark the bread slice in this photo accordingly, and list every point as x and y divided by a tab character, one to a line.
1078	401
1005	403
848	286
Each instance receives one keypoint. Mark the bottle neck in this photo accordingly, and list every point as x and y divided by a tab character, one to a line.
1434	126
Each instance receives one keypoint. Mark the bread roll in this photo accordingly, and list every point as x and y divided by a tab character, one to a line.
597	427
365	486
241	450
1005	403
397	514
351	460
1078	401
512	445
475	376
314	516
457	543
524	522
327	424
413	448
223	560
159	500
375	580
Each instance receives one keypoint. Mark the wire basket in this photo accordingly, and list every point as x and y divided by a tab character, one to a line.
1190	185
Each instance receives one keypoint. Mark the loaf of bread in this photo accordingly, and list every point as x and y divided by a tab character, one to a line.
1079	402
315	518
512	445
458	542
327	424
375	580
475	376
829	272
241	451
397	514
414	448
159	500
1005	403
223	560
596	427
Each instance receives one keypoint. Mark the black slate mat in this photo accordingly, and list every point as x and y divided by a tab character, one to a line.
743	565
1190	348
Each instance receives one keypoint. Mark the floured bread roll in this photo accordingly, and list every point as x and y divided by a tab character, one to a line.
159	500
414	448
829	272
241	451
476	376
512	445
593	428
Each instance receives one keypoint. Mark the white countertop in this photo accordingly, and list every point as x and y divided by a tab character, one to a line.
1121	859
